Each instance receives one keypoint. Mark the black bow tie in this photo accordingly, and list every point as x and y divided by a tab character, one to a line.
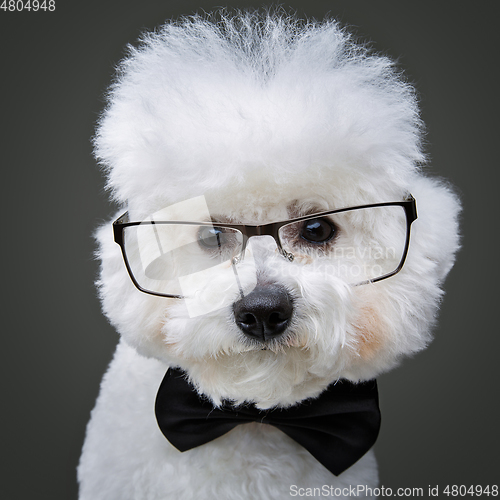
337	428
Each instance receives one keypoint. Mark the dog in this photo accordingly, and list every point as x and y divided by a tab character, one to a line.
279	247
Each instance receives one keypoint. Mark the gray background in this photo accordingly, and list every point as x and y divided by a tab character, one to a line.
440	409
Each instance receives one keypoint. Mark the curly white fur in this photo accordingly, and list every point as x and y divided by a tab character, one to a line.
257	114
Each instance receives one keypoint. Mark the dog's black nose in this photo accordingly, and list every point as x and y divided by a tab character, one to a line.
264	313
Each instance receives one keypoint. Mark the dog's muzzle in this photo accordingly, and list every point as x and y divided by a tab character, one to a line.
265	313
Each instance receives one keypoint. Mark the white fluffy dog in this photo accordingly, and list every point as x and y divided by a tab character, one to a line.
235	147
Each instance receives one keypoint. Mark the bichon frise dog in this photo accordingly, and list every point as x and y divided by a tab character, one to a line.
270	263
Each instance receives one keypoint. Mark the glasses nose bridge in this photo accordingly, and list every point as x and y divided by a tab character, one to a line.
271	229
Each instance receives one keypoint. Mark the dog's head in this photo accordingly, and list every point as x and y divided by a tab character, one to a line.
286	155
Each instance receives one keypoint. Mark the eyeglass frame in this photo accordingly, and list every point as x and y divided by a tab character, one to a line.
271	229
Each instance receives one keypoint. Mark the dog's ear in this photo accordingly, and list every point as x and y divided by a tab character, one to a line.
435	234
136	316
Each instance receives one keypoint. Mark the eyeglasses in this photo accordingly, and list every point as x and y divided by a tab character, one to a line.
362	244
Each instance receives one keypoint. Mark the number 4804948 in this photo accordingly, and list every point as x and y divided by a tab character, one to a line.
28	5
462	491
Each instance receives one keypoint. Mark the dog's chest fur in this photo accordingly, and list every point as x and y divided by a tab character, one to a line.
126	456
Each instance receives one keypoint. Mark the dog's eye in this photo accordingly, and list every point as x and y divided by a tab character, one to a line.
212	238
318	230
